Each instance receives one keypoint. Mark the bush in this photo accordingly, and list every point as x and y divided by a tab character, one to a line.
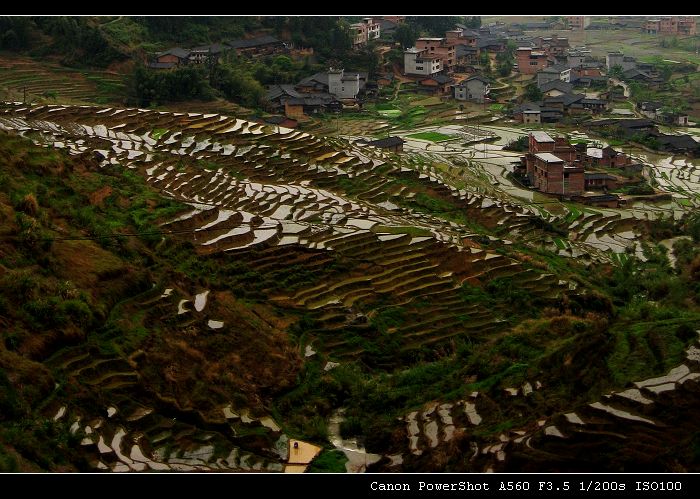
77	311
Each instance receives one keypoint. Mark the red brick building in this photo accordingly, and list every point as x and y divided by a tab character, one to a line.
553	175
530	61
441	47
671	26
552	167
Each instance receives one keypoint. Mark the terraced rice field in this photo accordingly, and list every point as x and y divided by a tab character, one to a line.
48	82
277	198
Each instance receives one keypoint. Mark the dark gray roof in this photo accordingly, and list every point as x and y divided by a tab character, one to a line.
440	78
598	176
176	51
477	78
318	79
650	105
276	120
253	42
550	70
274	92
678	141
592	101
566	99
387	142
556	85
215	48
489	41
464	50
634	73
526	106
629	123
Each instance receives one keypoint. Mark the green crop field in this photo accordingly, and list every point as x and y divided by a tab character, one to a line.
431	136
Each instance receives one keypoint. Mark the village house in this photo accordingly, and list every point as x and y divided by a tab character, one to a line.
554	166
475	89
437	83
554	88
440	47
551	73
342	85
258	46
467	37
207	53
307	105
553	46
653	82
364	31
613	59
530	61
578	22
465	55
550	174
576	57
170	58
390	144
281	121
494	44
597	181
532	116
419	62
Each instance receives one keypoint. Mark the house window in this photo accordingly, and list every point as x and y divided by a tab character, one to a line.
533	63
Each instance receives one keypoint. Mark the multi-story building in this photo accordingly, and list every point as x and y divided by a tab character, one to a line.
441	47
419	62
552	167
613	59
342	85
364	31
671	26
578	22
553	45
530	61
687	26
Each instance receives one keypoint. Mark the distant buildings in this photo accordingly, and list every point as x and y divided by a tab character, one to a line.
685	26
554	166
578	22
320	92
364	31
252	47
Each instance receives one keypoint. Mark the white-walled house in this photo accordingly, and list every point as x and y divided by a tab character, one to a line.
419	62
